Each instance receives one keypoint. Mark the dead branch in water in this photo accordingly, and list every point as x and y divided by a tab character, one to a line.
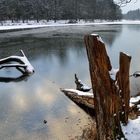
21	63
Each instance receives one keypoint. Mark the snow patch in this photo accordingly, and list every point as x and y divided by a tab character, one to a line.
98	38
79	92
8	25
113	73
83	86
95	35
132	129
134	99
29	68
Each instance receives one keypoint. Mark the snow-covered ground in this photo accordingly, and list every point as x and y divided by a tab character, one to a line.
132	130
8	25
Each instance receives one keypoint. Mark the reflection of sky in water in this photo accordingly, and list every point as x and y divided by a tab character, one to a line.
26	104
128	42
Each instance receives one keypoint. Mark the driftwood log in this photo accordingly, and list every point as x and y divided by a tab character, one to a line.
21	63
84	100
111	96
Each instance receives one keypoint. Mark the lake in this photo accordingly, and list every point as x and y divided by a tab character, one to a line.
56	53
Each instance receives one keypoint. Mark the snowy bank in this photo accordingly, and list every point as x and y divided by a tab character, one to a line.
132	130
8	25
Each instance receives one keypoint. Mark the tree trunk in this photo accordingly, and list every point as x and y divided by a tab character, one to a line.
123	82
106	90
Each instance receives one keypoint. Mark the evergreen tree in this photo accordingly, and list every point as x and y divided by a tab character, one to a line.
58	9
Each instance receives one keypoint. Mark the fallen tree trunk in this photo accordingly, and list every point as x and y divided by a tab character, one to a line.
108	92
22	63
84	100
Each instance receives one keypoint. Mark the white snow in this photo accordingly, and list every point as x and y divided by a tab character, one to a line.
79	92
132	129
84	87
134	99
29	68
8	25
95	34
113	73
98	37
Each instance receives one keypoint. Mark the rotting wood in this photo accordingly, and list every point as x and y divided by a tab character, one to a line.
106	90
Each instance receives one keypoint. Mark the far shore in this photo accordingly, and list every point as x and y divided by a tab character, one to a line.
61	28
8	25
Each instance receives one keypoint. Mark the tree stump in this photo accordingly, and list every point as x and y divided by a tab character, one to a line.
109	94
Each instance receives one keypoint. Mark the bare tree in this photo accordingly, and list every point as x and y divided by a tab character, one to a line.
123	2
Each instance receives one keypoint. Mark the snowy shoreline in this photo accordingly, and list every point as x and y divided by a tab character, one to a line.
8	25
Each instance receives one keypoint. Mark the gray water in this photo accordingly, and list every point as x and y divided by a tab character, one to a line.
56	58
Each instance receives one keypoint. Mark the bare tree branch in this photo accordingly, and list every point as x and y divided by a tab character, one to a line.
21	63
123	2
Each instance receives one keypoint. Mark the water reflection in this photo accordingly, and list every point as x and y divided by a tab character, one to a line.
110	34
24	105
20	78
133	27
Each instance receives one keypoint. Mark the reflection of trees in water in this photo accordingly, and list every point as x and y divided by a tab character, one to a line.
133	27
14	79
110	34
34	47
58	46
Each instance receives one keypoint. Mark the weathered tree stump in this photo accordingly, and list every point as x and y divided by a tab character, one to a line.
109	94
124	87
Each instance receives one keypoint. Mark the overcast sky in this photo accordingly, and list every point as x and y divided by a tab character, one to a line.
131	6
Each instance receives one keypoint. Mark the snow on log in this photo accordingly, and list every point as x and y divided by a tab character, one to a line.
83	99
113	72
80	86
21	63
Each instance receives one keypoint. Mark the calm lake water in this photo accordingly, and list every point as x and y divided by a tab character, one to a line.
25	104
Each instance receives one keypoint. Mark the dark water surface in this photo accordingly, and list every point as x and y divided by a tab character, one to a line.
24	105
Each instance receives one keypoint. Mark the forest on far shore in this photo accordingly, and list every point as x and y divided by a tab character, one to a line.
59	9
132	15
